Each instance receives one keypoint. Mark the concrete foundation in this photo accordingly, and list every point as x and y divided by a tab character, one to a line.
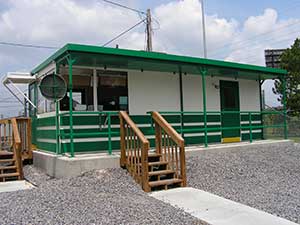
63	166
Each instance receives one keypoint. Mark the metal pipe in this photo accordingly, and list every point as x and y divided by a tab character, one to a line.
70	63
95	89
203	29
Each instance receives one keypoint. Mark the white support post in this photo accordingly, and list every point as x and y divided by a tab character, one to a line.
95	89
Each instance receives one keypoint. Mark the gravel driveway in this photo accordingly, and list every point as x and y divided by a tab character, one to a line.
98	197
265	178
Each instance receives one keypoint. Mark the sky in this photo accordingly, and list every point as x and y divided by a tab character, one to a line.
237	30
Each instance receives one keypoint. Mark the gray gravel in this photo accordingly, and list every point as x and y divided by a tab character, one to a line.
264	178
97	197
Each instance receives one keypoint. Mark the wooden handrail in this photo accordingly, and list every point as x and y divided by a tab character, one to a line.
134	150
165	136
17	147
23	137
136	130
16	134
168	128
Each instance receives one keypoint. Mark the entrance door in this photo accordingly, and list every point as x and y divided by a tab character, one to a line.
229	92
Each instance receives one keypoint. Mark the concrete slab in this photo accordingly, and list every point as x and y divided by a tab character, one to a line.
216	210
17	185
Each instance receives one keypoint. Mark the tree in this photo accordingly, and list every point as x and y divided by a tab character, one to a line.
290	60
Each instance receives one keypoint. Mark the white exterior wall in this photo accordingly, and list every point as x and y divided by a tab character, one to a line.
150	91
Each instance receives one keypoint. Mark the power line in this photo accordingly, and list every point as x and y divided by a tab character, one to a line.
125	7
27	45
124	32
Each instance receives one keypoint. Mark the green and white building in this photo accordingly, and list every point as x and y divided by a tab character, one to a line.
207	101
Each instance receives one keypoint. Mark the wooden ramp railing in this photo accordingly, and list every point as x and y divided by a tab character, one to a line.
11	165
24	129
157	169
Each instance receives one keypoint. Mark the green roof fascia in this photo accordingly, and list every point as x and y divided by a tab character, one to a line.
52	58
158	56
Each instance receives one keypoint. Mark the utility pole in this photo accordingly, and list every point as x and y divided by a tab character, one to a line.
203	28
149	31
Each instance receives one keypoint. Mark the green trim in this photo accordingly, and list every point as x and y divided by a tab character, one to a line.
181	101
284	109
146	56
203	75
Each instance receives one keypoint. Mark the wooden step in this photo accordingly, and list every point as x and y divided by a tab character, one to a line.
6	153
159	163
161	172
164	182
8	167
6	160
4	175
151	155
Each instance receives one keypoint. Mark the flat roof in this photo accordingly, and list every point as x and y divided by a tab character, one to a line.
96	56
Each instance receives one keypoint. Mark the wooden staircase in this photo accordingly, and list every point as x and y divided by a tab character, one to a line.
11	167
158	169
8	167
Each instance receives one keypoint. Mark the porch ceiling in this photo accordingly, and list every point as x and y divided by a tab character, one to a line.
111	58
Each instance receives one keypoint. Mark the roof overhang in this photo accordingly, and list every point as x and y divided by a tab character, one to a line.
112	58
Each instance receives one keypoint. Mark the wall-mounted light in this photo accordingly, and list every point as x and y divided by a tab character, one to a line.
216	86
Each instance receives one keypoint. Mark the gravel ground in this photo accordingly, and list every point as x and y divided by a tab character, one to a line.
97	197
264	178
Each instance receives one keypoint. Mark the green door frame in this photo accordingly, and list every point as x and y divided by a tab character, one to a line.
232	117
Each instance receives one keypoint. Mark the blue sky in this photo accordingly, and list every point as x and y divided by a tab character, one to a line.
236	30
239	9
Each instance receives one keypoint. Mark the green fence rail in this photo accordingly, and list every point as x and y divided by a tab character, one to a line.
105	120
107	114
206	129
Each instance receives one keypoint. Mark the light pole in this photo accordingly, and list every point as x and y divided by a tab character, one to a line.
203	29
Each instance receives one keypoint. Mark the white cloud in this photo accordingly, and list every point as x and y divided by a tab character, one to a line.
55	23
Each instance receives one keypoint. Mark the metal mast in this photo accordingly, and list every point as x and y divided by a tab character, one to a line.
203	27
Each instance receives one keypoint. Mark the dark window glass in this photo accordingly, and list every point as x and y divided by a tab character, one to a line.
229	98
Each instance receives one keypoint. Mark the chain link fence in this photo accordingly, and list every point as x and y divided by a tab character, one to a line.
293	127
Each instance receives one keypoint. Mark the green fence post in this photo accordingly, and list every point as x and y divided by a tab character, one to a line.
109	134
70	64
57	119
181	102
261	107
250	124
284	109
203	74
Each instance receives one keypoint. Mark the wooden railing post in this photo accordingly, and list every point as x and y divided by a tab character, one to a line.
17	148
158	138
182	165
122	142
145	181
29	136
